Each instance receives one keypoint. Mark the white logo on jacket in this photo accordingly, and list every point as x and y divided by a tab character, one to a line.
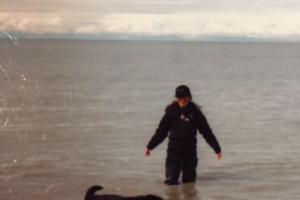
185	118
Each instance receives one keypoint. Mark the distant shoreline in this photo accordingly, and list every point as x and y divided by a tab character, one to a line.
160	38
156	41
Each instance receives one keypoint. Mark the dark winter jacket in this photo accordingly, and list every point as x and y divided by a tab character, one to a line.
181	125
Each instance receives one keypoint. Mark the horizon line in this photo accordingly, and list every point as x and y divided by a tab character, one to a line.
13	35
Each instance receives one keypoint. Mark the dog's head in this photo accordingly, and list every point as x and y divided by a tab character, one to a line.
152	197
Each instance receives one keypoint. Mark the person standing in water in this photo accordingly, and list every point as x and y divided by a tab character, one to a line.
181	121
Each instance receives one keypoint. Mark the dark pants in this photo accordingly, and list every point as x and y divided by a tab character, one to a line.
186	166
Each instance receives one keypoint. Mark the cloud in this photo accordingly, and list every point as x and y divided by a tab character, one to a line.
31	22
263	23
204	23
89	29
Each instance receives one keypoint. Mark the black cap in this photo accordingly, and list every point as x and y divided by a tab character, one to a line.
182	91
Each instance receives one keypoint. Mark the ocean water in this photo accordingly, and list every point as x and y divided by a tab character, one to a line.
77	113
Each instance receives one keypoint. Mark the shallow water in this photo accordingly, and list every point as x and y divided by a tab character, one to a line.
78	113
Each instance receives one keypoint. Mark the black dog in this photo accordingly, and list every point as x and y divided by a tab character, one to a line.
90	195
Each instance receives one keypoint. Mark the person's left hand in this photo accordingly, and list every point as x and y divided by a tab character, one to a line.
147	152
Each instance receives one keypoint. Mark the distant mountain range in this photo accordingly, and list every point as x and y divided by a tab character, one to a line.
124	36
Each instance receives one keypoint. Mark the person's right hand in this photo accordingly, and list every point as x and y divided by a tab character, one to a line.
147	152
219	156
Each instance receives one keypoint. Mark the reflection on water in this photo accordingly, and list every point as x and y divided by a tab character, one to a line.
185	191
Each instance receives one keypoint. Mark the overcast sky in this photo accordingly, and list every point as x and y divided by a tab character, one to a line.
185	18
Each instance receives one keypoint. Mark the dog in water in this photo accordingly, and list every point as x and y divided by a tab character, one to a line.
90	195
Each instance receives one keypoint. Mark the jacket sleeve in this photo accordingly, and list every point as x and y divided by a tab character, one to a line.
206	132
161	132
